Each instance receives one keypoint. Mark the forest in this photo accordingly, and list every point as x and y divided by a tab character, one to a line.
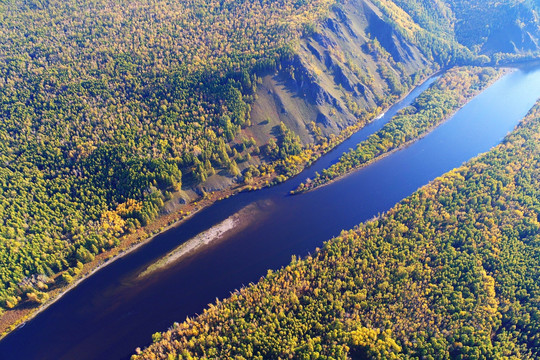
451	272
455	88
109	108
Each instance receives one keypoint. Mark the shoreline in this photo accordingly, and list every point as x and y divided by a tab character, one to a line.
505	71
128	244
132	241
193	244
207	238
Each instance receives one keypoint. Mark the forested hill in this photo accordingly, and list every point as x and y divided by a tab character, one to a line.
490	27
109	109
105	104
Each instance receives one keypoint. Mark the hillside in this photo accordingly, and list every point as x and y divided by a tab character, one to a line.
108	108
114	113
499	29
341	74
450	273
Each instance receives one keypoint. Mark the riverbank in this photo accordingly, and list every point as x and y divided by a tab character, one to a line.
14	318
217	233
17	317
384	136
402	266
112	313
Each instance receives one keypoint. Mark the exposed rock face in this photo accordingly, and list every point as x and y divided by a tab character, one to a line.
323	120
314	51
342	79
323	41
387	37
338	65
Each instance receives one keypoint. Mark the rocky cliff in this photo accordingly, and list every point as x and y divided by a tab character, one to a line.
352	64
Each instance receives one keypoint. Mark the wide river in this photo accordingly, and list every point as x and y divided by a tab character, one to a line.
115	310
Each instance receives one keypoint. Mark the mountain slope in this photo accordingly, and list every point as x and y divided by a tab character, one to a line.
341	74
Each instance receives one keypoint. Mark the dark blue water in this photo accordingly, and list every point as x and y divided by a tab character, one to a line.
112	312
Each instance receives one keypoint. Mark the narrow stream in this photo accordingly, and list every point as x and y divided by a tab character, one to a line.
117	309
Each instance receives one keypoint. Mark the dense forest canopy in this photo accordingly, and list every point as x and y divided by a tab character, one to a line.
103	105
81	74
450	273
107	108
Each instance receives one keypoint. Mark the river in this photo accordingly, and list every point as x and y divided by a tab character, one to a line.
115	310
